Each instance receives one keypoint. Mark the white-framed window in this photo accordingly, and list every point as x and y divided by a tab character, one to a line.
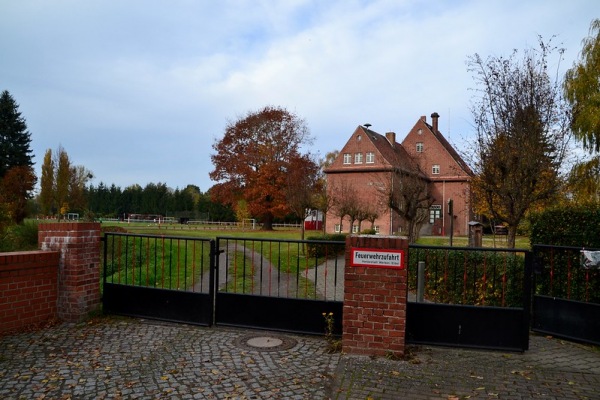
435	212
370	157
354	228
419	147
347	158
358	157
377	229
435	169
337	228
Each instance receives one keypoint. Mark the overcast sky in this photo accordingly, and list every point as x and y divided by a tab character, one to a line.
137	91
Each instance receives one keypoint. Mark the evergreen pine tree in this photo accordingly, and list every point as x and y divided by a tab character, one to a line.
15	140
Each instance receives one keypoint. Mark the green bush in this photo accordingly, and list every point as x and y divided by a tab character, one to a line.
560	273
567	226
469	277
20	237
326	249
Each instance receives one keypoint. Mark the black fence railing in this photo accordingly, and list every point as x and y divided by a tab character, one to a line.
561	272
153	261
469	276
298	269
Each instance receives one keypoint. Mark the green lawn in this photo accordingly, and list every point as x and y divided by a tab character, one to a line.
291	234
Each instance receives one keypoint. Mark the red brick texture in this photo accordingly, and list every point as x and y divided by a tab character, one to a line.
79	268
28	289
374	321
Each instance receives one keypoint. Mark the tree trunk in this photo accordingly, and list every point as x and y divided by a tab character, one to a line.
510	239
267	224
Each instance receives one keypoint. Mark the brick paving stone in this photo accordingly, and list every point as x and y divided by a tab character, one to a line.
113	358
551	369
117	358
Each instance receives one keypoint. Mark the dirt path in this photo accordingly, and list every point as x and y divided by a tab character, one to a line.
268	281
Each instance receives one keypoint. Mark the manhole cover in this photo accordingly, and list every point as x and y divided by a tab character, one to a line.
265	342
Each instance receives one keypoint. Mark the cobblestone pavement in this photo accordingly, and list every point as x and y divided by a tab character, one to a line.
115	358
551	369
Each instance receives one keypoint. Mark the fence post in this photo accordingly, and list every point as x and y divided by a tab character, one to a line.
421	281
375	294
79	266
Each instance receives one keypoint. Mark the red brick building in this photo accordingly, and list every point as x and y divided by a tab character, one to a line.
366	163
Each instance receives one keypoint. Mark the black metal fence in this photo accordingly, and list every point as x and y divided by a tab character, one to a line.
472	297
566	299
158	277
469	276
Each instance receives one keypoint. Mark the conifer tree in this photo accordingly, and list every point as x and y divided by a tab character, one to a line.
15	139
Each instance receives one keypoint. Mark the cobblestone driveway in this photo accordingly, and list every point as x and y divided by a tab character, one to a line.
127	358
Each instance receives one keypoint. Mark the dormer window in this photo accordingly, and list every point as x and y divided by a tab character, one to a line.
347	158
358	158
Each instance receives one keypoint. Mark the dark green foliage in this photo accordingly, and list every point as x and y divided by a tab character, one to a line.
20	237
15	140
326	249
482	278
568	226
114	202
560	273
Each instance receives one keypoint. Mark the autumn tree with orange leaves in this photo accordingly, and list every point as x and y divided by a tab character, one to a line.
254	160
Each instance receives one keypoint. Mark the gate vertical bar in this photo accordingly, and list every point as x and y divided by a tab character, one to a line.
213	278
527	297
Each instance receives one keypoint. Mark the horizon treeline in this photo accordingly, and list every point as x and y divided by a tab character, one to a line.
155	198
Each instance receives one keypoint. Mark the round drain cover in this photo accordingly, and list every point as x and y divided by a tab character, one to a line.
262	342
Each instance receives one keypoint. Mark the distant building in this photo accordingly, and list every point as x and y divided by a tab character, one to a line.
366	164
313	221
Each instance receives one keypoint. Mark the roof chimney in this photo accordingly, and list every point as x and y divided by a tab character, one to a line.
434	121
423	118
391	137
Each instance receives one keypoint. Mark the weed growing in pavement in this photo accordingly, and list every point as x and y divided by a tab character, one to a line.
334	345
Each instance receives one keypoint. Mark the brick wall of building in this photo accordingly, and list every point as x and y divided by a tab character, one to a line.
28	289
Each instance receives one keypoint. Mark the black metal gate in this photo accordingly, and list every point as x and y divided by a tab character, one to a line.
566	302
282	285
473	297
157	277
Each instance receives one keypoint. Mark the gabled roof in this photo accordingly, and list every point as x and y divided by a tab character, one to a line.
450	149
393	154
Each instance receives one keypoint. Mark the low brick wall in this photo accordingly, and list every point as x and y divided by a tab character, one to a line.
59	282
28	289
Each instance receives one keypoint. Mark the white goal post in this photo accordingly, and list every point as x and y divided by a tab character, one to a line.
251	221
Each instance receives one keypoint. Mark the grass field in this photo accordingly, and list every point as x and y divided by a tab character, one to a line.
211	232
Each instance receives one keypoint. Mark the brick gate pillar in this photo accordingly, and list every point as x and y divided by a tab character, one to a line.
375	294
79	266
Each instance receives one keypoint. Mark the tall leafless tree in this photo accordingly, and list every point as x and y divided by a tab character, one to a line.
522	134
